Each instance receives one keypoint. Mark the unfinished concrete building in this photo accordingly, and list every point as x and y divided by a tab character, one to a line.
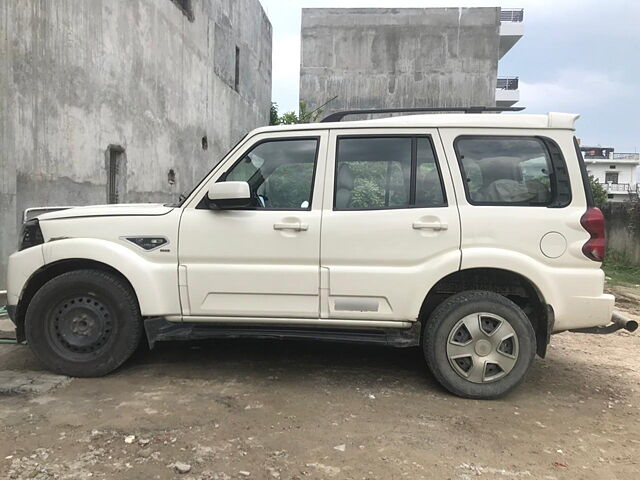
111	101
406	57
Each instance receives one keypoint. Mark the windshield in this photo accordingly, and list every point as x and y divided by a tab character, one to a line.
184	197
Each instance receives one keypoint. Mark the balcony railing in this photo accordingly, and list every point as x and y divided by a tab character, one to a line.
626	156
512	15
621	187
507	83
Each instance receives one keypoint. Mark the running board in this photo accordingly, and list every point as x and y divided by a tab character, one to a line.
160	329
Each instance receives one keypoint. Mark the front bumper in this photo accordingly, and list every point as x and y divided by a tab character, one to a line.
11	310
13	316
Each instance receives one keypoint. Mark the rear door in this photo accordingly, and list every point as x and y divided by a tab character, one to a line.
515	199
390	226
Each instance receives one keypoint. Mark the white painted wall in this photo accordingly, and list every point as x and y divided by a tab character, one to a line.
626	172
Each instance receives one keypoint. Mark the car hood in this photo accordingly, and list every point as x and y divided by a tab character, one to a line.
129	209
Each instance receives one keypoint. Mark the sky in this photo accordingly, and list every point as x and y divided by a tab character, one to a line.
577	56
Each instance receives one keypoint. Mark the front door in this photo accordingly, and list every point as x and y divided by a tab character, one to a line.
260	261
390	228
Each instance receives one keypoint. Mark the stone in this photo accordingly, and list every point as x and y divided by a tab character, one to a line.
181	467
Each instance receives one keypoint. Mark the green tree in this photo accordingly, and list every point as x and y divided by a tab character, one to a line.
274	120
304	115
599	192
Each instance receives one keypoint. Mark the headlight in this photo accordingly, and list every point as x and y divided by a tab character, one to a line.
31	235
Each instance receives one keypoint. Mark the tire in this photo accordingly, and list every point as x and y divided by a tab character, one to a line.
84	323
479	344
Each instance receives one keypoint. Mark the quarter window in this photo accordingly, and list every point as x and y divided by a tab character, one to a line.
280	173
506	170
386	172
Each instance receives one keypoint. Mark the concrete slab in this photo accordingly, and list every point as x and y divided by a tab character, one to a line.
13	382
7	329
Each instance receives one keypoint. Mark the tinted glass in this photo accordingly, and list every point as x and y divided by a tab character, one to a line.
373	173
376	172
505	171
428	184
279	173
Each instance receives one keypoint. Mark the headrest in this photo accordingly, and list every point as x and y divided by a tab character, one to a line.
345	177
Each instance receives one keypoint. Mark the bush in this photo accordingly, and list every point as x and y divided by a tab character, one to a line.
290	118
599	192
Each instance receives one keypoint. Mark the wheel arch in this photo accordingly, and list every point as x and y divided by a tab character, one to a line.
513	285
52	270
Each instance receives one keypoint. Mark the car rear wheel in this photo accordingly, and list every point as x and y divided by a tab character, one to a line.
479	344
83	323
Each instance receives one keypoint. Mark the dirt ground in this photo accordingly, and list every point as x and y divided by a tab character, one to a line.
298	410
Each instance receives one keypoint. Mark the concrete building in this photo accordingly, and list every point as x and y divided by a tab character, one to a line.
511	30
617	172
406	57
108	101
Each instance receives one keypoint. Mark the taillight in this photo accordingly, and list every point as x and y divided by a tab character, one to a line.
593	222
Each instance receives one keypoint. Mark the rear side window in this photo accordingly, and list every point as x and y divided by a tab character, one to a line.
387	172
507	170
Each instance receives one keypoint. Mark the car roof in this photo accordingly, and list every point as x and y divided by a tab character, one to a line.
551	120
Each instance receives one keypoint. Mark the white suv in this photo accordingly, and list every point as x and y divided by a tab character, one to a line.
473	236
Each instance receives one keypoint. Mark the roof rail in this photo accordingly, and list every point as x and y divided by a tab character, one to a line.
337	116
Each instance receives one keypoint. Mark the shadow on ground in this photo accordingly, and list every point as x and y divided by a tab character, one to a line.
337	364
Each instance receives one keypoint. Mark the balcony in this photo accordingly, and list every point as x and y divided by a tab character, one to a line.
605	155
619	192
619	187
627	156
511	29
512	15
507	92
507	83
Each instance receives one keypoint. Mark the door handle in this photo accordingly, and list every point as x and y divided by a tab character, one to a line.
298	227
430	226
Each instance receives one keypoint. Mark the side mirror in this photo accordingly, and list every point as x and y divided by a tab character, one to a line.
226	195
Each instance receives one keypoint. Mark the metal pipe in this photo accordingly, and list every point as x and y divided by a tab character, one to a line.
618	322
626	323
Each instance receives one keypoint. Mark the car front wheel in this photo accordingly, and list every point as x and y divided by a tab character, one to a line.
83	323
479	344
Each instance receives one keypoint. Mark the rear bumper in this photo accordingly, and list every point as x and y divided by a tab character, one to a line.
618	322
579	312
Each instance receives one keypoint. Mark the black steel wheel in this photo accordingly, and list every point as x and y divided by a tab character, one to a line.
81	324
84	323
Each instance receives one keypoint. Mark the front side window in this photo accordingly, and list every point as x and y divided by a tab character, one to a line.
280	173
505	170
386	172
